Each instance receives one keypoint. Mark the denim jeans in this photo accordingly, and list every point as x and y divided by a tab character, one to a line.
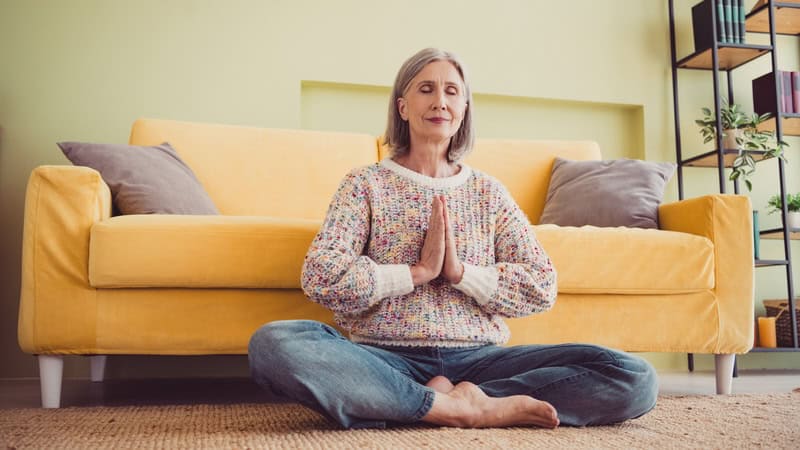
368	386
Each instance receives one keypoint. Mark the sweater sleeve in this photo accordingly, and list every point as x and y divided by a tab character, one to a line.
523	280
336	272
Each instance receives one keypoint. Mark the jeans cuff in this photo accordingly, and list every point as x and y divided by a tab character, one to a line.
427	404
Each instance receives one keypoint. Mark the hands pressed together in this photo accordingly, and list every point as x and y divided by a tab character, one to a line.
438	256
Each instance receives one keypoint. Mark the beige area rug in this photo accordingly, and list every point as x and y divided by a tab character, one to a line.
738	421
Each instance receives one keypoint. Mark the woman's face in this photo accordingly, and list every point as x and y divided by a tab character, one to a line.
434	103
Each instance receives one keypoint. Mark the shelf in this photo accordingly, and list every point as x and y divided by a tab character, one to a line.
770	262
731	56
771	350
777	233
790	124
787	18
709	159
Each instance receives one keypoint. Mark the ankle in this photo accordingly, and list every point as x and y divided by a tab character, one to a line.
452	411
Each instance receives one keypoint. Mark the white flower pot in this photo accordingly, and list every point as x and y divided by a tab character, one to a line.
729	139
793	220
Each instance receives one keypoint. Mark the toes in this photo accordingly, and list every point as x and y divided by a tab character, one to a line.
440	384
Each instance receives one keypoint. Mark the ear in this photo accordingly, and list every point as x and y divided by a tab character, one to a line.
401	108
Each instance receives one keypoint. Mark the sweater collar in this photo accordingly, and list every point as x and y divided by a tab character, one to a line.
445	182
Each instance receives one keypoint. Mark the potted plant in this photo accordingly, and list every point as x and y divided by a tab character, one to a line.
740	132
792	205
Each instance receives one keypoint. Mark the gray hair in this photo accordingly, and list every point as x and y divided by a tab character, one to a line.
398	136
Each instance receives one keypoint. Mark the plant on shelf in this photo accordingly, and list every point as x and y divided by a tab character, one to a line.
740	132
792	206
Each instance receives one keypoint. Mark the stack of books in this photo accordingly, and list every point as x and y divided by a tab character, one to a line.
788	91
730	23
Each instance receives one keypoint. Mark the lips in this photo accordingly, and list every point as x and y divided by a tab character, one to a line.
437	119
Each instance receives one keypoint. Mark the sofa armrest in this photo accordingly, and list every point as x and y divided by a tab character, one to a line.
726	220
57	307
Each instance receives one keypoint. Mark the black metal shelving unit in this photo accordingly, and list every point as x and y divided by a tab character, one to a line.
773	18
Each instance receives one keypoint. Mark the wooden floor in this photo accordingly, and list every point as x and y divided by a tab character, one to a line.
25	393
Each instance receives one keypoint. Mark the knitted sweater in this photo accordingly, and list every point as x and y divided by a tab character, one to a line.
359	263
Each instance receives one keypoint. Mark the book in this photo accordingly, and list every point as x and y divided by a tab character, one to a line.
764	95
722	35
703	27
728	21
735	21
786	93
742	22
796	92
756	235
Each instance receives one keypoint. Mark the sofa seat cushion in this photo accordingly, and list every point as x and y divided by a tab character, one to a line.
199	251
620	260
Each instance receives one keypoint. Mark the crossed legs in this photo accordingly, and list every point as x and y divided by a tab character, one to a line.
362	386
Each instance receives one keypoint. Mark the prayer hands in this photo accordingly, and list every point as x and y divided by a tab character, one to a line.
452	269
438	255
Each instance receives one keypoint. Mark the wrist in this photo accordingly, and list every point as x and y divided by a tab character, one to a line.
419	275
460	274
454	276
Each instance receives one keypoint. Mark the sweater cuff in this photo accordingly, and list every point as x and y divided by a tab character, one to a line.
392	280
478	282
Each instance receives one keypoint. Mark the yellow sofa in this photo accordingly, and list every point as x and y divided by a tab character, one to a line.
97	285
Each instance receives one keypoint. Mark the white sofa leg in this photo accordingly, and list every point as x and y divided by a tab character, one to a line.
724	369
98	367
51	370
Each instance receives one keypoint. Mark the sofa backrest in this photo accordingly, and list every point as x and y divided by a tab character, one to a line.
524	166
294	173
259	171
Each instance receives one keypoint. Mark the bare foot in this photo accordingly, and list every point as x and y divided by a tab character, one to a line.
467	406
440	384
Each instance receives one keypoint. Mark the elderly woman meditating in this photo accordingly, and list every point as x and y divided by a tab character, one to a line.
420	258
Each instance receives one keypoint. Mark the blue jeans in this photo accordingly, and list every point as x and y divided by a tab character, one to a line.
366	386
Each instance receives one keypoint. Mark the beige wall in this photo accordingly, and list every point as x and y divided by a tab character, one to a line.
86	69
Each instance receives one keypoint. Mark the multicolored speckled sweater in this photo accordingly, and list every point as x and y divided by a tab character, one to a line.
359	263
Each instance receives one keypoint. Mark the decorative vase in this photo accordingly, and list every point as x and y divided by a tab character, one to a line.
729	139
793	220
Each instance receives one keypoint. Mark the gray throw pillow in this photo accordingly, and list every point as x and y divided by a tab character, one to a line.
615	193
143	180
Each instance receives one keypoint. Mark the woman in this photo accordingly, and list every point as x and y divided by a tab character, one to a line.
420	258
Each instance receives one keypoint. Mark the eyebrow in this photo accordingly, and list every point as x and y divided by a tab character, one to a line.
447	83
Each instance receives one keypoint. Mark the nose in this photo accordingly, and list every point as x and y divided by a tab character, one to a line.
440	102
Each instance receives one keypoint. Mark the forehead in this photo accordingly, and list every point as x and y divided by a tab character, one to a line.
441	71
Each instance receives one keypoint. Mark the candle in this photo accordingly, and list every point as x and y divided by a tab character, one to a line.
755	332
766	332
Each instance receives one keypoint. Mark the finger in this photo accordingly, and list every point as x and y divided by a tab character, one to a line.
446	215
448	225
439	213
435	206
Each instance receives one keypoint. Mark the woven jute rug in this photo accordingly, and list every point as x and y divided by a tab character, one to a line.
738	421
